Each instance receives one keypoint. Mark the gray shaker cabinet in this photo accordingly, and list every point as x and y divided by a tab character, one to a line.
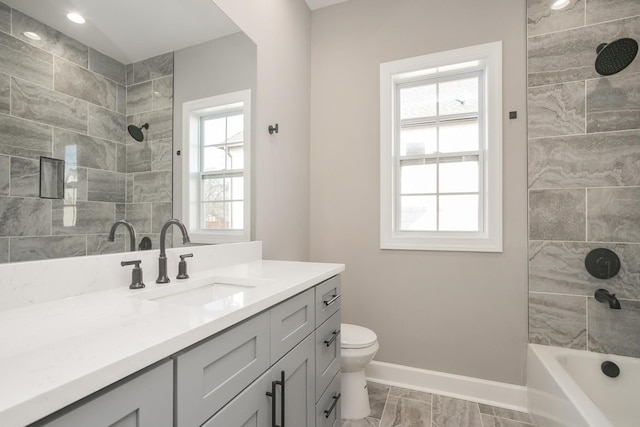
142	400
213	372
327	353
327	299
291	321
261	401
328	407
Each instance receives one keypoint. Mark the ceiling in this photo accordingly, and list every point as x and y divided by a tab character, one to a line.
317	4
132	30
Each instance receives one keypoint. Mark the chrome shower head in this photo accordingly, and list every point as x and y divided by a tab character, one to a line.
615	56
136	132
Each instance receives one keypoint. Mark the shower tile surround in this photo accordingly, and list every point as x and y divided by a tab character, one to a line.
584	176
62	99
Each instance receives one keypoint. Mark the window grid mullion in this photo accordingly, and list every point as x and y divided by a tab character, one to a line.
438	158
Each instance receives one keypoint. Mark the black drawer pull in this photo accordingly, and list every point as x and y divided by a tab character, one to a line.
333	405
334	335
333	299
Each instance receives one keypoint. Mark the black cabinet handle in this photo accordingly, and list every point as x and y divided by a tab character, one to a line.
334	335
272	394
333	299
333	405
282	397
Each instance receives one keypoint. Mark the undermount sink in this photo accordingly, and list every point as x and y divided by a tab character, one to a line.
199	294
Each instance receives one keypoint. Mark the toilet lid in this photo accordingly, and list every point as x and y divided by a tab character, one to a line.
354	336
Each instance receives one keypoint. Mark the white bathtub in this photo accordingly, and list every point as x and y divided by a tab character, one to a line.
566	388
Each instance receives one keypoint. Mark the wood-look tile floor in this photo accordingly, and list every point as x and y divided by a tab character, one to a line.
399	407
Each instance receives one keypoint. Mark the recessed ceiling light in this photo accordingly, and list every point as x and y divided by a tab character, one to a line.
560	4
76	17
32	35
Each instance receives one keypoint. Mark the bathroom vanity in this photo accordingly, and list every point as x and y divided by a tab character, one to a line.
248	340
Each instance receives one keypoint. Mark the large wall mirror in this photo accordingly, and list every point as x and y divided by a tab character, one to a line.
104	99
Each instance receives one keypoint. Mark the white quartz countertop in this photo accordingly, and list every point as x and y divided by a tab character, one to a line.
55	353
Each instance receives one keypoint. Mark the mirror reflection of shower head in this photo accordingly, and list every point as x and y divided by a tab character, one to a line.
615	56
136	132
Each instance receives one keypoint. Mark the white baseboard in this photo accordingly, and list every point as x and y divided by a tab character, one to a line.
492	393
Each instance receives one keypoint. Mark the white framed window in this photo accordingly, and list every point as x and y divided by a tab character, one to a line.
441	151
217	168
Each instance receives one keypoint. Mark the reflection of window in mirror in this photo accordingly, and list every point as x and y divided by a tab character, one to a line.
217	168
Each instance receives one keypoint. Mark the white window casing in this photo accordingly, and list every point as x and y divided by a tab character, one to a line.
484	61
192	113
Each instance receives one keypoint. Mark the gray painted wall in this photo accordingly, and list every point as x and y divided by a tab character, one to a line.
584	176
458	312
62	99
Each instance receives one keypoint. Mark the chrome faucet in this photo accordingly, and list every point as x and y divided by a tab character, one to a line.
132	233
162	260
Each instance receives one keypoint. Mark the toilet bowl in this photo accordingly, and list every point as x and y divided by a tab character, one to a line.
358	347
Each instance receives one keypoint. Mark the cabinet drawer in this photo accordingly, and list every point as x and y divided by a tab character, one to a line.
252	407
328	407
327	299
146	400
212	373
327	353
291	322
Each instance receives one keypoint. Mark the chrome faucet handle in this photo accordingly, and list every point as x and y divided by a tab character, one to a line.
136	274
182	267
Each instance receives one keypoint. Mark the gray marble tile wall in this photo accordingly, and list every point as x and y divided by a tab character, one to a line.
60	98
584	175
149	163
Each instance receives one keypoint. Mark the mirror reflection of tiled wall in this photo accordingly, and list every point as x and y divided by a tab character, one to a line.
62	99
584	175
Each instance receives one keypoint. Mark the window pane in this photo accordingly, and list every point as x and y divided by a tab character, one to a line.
235	126
418	140
237	188
236	157
459	213
236	215
213	189
214	131
459	136
418	213
419	101
459	177
418	179
213	216
213	159
459	96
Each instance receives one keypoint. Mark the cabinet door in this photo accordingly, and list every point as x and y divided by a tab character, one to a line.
291	322
328	407
327	299
299	375
212	373
145	400
252	407
327	353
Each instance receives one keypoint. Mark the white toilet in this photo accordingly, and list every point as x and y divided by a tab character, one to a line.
358	346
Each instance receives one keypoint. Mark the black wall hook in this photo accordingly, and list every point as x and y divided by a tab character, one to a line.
273	129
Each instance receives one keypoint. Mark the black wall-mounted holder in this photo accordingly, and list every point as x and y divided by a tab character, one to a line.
273	129
602	263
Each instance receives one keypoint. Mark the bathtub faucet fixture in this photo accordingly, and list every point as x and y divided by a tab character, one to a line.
603	295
